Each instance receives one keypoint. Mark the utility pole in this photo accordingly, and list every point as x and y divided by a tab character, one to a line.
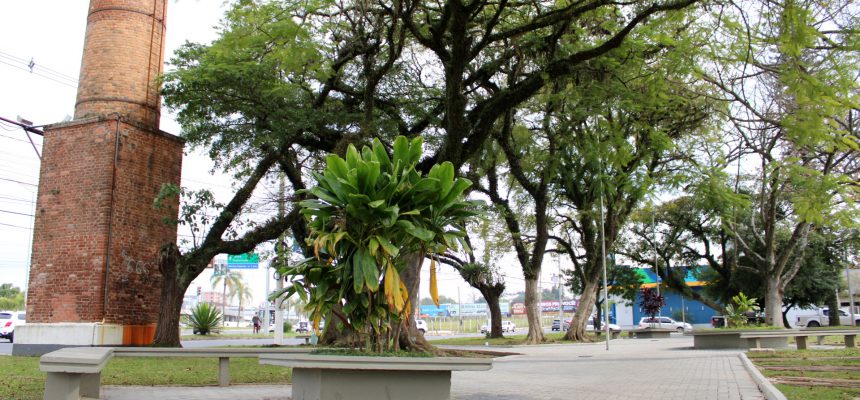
560	296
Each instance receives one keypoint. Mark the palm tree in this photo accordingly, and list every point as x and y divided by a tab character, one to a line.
229	279
241	291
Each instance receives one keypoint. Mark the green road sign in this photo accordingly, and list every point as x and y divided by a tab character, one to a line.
243	261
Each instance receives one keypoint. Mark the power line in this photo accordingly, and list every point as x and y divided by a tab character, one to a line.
23	183
15	226
17	213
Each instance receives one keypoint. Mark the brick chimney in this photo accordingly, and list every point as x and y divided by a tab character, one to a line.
94	277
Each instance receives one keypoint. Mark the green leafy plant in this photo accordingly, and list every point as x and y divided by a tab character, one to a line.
738	312
205	319
368	216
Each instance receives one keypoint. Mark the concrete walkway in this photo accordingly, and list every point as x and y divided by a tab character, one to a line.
659	369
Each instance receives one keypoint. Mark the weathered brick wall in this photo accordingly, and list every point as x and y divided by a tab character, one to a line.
122	58
97	236
74	221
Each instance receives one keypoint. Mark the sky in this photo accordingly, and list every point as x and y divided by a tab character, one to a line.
51	34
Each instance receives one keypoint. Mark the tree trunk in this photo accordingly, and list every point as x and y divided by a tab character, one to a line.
172	293
833	306
410	338
773	301
495	312
785	322
535	335
583	311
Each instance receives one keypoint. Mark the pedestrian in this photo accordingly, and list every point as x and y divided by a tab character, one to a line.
256	322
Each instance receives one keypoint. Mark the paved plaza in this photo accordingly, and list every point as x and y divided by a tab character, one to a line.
658	369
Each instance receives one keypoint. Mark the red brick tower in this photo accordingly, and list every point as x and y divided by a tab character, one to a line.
94	278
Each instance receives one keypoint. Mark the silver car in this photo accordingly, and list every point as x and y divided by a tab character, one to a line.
664	322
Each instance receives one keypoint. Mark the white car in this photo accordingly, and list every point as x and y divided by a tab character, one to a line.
8	321
665	322
507	326
613	328
421	325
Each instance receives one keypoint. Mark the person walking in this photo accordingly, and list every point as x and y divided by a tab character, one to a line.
256	322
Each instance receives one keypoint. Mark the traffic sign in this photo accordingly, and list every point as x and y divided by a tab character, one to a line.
243	261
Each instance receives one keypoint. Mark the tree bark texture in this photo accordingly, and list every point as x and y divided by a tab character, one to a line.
775	290
492	298
410	338
576	332
535	335
172	293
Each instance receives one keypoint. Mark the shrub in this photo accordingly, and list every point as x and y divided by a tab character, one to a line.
288	326
651	302
205	319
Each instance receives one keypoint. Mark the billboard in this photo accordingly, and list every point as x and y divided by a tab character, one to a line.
546	306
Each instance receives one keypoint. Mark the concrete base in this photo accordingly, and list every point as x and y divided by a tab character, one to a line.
733	340
319	377
653	333
331	384
35	339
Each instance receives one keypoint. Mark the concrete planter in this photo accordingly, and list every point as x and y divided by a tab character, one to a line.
652	333
739	339
325	377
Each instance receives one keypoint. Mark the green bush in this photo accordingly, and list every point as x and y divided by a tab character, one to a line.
205	319
288	326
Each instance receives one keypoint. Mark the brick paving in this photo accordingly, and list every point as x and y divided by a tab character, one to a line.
663	369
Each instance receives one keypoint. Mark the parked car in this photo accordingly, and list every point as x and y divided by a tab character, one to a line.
821	317
613	328
421	325
665	322
8	321
557	325
507	326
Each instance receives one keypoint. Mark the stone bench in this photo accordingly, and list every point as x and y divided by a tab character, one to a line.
740	339
222	354
652	333
307	338
325	377
75	372
800	337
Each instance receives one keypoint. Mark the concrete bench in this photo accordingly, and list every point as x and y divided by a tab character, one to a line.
325	377
74	373
307	338
222	354
652	333
800	337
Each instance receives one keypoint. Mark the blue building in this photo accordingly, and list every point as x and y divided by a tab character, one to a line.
694	311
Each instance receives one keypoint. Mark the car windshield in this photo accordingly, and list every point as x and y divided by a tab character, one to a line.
22	317
5	316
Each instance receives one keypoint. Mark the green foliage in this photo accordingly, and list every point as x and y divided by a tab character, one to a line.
738	312
288	327
425	301
11	297
205	319
368	212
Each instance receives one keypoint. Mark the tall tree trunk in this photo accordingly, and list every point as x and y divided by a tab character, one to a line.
833	306
535	335
583	311
410	338
495	311
773	301
172	293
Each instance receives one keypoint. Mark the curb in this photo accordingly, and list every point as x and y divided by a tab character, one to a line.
769	391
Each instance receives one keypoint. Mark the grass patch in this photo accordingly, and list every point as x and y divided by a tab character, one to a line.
20	378
811	358
818	393
224	336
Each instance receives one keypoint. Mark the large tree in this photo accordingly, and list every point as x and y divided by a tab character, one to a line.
789	70
287	82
